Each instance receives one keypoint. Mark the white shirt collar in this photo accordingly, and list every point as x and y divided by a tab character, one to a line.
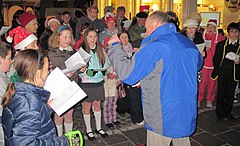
69	48
231	42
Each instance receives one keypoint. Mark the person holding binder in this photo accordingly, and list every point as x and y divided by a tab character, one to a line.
26	115
92	82
61	45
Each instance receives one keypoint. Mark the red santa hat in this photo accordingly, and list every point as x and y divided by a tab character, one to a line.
51	19
21	37
26	18
109	17
214	23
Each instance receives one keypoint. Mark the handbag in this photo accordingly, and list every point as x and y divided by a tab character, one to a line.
121	91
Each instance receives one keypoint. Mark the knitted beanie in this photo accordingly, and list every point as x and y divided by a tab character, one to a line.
25	18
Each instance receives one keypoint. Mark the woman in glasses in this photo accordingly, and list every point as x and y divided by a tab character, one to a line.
92	82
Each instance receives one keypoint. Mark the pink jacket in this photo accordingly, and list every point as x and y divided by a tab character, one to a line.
215	38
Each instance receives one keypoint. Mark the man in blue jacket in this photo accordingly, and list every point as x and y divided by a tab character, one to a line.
166	66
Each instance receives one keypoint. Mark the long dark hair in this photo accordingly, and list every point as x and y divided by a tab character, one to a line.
98	49
26	63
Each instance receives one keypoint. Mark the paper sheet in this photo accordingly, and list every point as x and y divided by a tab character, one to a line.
127	23
64	93
75	94
4	29
101	69
208	43
201	47
143	35
56	81
76	61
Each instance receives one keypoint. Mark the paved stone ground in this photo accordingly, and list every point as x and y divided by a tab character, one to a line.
210	132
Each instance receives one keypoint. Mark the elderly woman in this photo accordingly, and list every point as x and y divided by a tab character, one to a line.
29	22
190	31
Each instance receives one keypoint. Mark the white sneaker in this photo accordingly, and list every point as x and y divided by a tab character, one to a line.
209	104
140	124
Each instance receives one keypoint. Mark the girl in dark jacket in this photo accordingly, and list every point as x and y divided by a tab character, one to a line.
61	45
26	115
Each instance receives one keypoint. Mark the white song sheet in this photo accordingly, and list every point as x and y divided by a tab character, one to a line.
76	61
64	93
4	29
200	47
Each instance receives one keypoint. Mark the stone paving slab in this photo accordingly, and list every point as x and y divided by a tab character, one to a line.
231	137
205	139
209	132
137	136
210	125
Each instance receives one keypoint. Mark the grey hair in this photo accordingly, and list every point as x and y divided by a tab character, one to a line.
160	16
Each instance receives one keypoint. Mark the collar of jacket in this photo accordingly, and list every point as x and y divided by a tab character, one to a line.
28	87
166	29
115	31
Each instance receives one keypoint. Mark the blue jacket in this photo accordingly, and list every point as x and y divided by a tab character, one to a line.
27	120
166	66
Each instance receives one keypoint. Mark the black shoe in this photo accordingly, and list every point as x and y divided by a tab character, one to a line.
90	137
110	125
116	123
102	133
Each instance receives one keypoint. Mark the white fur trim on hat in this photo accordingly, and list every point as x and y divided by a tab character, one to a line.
52	20
212	23
25	42
9	39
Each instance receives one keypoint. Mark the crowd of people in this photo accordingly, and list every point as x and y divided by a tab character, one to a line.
155	71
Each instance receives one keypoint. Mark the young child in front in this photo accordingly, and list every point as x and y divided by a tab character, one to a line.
26	116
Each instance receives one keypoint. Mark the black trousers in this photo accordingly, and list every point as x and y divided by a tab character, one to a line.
136	112
225	95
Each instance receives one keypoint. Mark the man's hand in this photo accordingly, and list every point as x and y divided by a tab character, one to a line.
113	39
111	75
